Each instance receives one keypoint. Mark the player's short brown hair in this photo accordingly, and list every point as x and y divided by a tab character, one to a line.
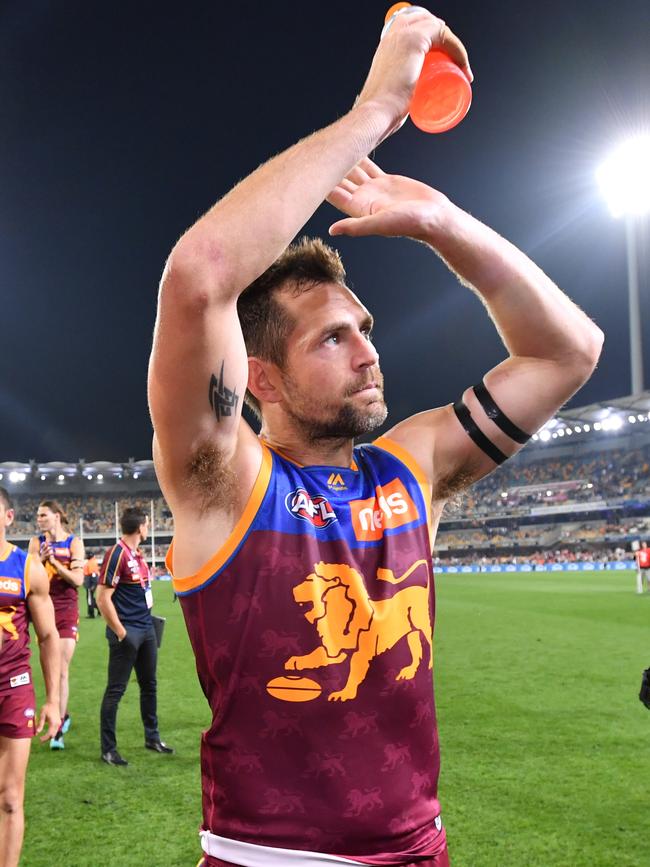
131	519
265	322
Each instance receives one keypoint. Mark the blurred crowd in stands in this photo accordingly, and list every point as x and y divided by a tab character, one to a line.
608	476
522	512
96	512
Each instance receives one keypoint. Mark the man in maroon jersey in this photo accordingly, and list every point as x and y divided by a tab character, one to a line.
303	563
24	596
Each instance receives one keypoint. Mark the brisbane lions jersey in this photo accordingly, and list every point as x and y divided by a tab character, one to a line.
312	630
14	619
62	592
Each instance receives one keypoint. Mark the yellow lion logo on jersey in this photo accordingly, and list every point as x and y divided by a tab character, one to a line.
6	622
349	622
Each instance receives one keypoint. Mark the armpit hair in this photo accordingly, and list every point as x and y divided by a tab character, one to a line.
209	479
451	488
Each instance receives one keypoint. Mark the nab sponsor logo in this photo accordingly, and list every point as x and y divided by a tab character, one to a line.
316	510
390	507
10	585
336	483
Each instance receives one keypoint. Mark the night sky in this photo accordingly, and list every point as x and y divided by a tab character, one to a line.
121	122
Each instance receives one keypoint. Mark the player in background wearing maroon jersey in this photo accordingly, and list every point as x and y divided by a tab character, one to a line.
62	554
24	597
296	337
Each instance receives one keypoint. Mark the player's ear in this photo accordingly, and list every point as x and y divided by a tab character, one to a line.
264	380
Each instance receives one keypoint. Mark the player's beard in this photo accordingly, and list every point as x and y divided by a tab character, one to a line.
320	420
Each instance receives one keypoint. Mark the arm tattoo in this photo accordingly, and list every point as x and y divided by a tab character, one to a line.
222	400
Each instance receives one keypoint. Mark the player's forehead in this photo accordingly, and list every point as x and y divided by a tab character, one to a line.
324	303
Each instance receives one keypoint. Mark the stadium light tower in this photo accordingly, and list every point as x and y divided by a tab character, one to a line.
624	179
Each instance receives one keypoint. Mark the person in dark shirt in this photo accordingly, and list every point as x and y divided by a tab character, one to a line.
124	599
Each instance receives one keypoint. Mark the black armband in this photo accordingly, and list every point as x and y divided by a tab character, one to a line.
476	434
500	419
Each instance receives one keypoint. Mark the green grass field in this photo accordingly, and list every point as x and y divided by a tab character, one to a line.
544	759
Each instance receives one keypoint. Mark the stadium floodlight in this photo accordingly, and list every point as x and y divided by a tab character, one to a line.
560	433
597	425
43	477
624	179
15	477
577	429
587	428
631	419
100	477
545	436
61	477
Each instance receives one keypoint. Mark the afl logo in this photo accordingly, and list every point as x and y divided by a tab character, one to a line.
316	510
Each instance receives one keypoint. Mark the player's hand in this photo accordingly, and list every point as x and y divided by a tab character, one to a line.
50	715
398	61
45	552
388	205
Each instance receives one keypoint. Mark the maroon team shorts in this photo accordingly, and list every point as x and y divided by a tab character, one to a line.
67	621
18	712
439	860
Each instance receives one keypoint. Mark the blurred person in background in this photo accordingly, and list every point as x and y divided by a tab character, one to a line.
91	577
24	598
125	599
62	554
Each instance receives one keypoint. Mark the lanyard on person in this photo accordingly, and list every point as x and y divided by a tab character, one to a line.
139	559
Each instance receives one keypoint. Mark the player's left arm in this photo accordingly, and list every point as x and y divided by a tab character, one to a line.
75	574
553	346
41	612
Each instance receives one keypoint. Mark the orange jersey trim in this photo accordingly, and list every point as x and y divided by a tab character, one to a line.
192	582
353	465
409	461
28	562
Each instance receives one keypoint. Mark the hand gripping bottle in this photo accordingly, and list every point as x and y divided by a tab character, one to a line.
443	94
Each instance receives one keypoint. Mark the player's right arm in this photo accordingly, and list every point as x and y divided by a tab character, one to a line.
41	612
199	369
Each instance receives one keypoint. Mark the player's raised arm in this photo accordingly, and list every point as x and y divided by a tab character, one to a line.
41	612
553	346
199	369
